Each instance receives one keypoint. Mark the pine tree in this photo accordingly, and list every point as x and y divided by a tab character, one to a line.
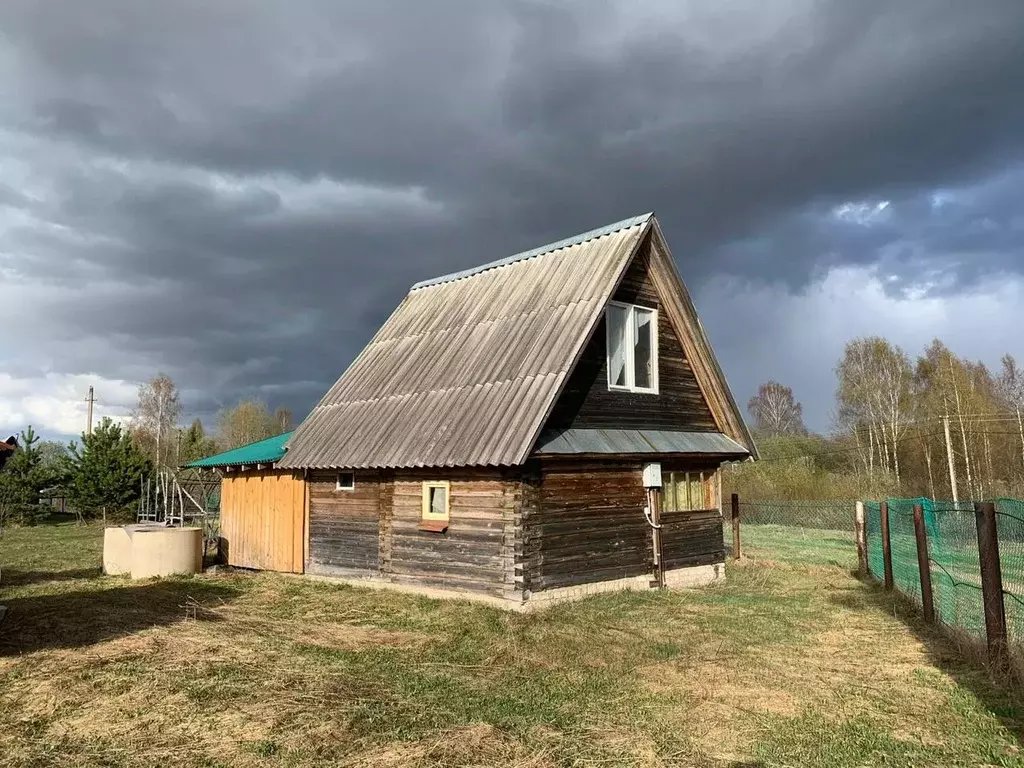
23	477
106	470
195	444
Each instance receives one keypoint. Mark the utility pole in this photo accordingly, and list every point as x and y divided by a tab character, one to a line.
88	424
949	456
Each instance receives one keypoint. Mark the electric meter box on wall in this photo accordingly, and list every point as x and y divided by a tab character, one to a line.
652	475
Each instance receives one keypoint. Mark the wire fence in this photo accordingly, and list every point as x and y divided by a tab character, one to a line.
955	567
797	532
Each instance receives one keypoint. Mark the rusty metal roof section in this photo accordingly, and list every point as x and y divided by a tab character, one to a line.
467	368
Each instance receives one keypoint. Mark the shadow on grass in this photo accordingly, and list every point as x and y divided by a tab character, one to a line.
12	577
961	658
81	618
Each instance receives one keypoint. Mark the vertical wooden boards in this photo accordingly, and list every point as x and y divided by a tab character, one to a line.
262	519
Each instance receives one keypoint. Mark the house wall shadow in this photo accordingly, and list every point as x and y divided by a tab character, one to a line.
81	618
1002	696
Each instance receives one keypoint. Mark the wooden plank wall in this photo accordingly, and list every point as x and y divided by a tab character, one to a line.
692	538
476	553
588	525
344	526
697	537
262	518
587	403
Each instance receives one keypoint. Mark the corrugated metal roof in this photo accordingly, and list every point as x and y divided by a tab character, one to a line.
575	240
604	441
464	372
261	452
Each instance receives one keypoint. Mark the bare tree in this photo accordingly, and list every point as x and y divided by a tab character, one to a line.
245	423
775	411
874	398
1010	389
283	419
156	416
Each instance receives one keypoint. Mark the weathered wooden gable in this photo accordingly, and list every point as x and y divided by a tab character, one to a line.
586	402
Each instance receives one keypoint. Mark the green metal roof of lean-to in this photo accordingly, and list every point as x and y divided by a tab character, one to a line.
262	452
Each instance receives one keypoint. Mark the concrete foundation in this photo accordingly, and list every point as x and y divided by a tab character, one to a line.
679	578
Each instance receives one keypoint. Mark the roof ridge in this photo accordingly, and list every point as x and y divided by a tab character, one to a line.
608	229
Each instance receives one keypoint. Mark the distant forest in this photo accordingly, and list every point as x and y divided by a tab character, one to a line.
890	425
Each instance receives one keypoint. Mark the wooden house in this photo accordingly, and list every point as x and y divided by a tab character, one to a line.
262	507
7	449
539	427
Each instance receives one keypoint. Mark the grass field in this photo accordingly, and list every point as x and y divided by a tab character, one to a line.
798	546
784	665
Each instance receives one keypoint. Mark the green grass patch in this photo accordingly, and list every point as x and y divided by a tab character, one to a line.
782	665
799	546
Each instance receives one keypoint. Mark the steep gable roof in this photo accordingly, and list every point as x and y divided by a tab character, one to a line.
467	368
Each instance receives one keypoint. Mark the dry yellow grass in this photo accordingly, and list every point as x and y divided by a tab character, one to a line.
784	665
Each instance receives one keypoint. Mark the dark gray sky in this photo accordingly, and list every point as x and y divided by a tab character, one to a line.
238	193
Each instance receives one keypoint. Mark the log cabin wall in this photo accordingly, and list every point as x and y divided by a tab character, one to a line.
587	403
692	538
477	552
695	537
345	527
587	525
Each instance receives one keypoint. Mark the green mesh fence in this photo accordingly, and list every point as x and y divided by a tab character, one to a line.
956	567
1010	525
905	573
799	532
952	534
873	534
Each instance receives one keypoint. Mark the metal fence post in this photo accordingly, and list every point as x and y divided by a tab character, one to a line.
861	535
924	564
735	526
991	582
886	544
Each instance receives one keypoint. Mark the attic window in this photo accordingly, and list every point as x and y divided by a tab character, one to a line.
632	348
346	481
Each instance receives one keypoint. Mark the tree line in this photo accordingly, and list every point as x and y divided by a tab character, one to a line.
935	425
101	473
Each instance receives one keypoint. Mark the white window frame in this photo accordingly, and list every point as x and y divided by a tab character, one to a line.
630	386
346	488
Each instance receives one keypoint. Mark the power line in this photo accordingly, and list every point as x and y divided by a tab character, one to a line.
849	449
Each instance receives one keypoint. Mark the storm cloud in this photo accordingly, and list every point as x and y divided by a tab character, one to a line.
238	193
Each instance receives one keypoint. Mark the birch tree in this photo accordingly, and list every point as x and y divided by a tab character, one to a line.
1010	389
775	411
874	398
156	417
